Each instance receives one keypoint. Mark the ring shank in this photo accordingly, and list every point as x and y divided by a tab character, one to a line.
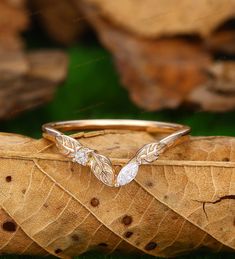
140	125
176	131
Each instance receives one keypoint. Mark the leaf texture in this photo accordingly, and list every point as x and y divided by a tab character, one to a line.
180	203
149	152
154	19
102	168
67	145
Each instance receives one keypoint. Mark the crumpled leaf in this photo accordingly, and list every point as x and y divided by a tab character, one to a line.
173	68
154	18
180	203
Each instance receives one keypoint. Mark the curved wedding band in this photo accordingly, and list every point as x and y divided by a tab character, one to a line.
101	165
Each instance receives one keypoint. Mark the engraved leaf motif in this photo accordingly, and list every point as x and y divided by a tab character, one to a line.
101	166
149	152
67	145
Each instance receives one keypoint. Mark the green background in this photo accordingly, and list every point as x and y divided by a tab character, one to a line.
93	90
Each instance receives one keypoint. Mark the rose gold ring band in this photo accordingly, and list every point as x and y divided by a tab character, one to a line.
100	165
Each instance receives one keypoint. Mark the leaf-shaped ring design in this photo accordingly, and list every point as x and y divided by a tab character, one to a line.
101	165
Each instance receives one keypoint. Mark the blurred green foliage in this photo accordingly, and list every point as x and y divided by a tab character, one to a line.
93	90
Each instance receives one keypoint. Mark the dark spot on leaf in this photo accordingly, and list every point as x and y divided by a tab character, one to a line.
45	205
180	155
8	178
75	237
24	191
165	197
57	251
226	159
128	234
72	169
149	184
59	207
127	220
150	246
165	208
174	217
9	226
94	202
103	244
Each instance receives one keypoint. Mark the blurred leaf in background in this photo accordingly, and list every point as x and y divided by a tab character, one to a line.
93	90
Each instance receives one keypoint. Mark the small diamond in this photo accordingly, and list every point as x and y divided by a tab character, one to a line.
127	174
81	156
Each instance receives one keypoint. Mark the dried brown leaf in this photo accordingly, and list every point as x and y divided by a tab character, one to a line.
183	202
154	18
29	79
60	19
167	72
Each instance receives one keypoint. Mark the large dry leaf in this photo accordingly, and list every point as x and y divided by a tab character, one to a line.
29	79
153	18
183	202
60	19
168	72
14	19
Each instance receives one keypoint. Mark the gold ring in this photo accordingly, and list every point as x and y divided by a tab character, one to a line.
101	165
